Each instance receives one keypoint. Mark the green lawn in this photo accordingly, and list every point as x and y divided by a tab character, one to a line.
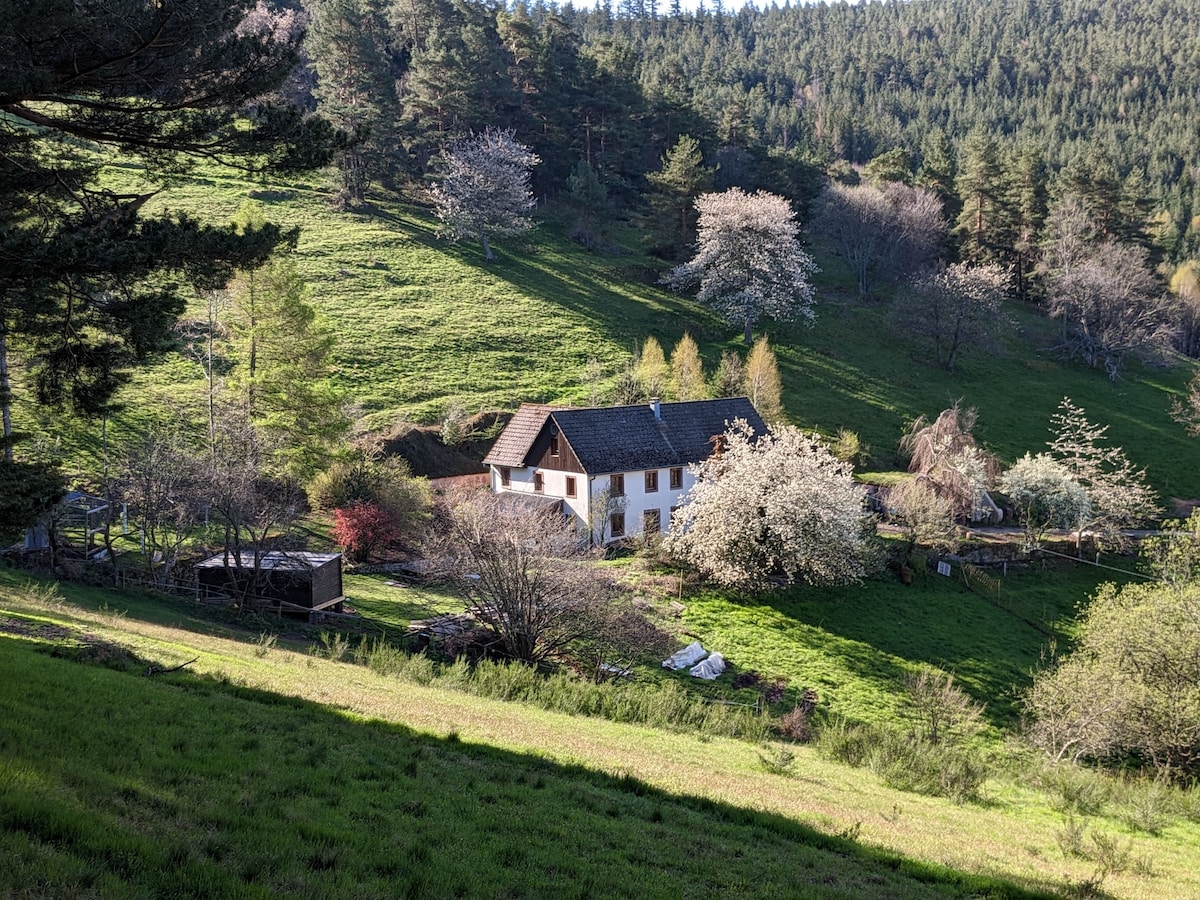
263	771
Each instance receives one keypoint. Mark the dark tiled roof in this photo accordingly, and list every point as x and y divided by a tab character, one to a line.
629	438
518	435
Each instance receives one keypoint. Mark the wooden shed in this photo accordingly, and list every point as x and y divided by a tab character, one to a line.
291	579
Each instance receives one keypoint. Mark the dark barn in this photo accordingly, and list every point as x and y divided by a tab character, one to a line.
290	579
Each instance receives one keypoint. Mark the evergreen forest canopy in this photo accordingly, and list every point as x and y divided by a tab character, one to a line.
1100	91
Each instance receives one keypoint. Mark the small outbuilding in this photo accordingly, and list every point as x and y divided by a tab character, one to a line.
288	579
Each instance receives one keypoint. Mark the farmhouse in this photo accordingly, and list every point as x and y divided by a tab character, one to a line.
290	579
620	471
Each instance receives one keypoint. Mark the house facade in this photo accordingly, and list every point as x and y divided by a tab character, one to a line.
619	471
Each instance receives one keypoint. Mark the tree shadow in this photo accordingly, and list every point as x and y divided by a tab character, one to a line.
227	790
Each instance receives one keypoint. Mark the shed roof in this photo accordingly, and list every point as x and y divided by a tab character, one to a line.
628	438
279	560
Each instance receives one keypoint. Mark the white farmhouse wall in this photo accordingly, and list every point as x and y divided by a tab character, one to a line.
635	501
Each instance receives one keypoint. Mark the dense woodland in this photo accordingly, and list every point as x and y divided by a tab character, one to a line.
1097	93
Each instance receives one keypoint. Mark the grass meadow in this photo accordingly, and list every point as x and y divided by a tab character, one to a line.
424	325
262	769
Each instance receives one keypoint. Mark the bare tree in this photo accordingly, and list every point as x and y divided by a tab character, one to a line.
524	572
748	262
946	457
252	510
1111	305
160	478
484	189
881	231
958	307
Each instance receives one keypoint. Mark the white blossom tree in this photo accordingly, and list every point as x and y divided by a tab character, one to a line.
1045	496
748	261
484	189
771	506
1117	492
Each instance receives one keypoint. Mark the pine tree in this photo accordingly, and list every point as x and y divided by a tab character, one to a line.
348	45
676	185
979	186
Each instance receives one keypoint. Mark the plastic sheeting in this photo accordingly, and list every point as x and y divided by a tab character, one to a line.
688	656
710	668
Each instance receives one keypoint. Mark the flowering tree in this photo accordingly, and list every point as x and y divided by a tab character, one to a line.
777	505
1117	492
748	261
485	188
946	457
1045	495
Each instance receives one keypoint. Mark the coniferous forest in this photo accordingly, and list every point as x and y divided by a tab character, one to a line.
1088	96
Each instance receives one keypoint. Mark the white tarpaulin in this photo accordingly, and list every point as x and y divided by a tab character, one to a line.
710	668
688	656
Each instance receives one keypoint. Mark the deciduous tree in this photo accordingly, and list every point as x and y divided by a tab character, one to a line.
958	307
945	456
1045	495
1130	691
881	231
652	369
1111	306
524	573
484	189
749	263
772	506
1117	492
687	370
761	381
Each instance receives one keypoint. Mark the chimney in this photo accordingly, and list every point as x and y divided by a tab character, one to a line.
654	405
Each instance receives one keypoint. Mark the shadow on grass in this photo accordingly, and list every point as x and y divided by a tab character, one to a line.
992	647
186	785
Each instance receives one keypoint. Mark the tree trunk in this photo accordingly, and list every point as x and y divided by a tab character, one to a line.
487	247
748	336
5	392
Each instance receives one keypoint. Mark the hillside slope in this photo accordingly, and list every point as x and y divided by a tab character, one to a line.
424	326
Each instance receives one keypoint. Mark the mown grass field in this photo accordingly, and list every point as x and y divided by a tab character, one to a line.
259	771
423	325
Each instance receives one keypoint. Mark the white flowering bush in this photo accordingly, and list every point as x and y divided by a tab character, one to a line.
771	507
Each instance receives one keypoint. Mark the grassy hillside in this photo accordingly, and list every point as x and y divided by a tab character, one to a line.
423	325
260	770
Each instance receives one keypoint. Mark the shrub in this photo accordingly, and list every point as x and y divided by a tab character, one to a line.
364	529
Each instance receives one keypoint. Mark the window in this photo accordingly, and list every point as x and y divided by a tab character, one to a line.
570	486
676	479
538	482
554	445
652	522
505	476
652	481
616	484
616	524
